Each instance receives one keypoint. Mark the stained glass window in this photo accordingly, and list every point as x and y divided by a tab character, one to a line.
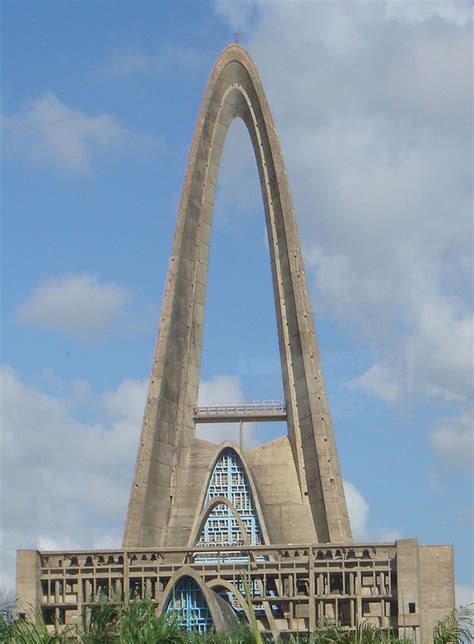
189	603
230	481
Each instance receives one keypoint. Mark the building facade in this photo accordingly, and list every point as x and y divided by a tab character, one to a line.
204	521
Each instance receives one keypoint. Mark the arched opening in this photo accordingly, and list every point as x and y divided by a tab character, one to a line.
240	357
222	527
233	597
187	601
229	481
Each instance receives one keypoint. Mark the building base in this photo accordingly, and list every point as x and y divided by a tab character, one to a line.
400	587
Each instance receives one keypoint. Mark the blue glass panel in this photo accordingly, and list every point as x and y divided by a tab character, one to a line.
230	598
230	481
190	604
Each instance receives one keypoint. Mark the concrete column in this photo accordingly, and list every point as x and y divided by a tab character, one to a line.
28	586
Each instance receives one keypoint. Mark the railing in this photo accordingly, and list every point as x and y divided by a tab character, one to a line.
365	551
267	410
326	581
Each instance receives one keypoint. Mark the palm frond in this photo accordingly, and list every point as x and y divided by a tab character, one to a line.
456	628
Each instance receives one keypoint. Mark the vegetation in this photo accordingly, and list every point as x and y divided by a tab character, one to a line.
7	613
136	622
457	627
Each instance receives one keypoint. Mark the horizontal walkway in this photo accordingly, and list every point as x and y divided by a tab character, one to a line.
267	410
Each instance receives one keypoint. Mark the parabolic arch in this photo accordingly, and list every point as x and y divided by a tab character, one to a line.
234	91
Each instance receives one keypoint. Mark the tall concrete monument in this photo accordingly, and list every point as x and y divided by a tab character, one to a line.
201	516
163	487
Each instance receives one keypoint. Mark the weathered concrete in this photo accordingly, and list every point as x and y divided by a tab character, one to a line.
400	586
294	482
28	588
234	91
436	584
277	488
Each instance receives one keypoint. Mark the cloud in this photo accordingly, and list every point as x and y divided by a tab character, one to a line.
76	304
225	389
387	534
138	61
49	133
457	12
379	382
358	511
464	595
378	150
237	14
69	481
453	441
220	389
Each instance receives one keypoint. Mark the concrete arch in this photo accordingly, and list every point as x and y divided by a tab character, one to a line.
219	449
234	90
221	613
223	583
217	500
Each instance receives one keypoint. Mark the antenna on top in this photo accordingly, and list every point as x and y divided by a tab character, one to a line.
236	36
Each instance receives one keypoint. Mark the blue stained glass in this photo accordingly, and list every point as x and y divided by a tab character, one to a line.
190	605
231	599
230	481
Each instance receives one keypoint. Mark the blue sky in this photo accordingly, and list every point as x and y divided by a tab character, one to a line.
372	105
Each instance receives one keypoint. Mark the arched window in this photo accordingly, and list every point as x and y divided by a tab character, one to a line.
189	603
221	528
229	480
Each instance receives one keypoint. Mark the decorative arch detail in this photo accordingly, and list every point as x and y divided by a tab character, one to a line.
218	507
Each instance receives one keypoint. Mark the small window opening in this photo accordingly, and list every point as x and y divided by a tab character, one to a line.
48	616
412	607
335	581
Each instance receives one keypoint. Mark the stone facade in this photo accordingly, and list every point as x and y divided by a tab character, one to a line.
288	532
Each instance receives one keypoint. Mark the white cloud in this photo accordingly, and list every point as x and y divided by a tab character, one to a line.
379	382
48	543
237	14
358	511
378	152
453	441
71	480
387	534
68	481
464	595
459	12
75	304
49	133
220	389
225	389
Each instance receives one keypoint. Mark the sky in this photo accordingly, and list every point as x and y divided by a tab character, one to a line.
373	105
